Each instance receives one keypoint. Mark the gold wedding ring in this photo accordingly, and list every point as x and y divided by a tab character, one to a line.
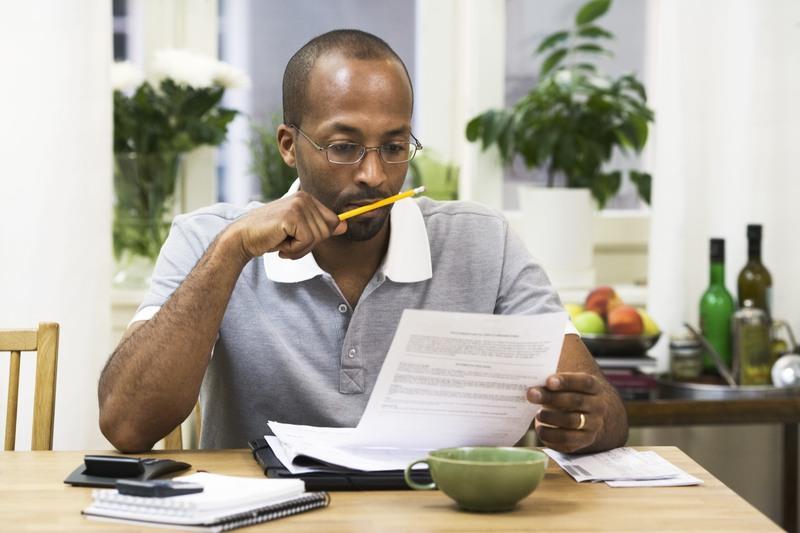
583	421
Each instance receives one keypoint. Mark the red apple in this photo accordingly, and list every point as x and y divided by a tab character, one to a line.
625	320
602	301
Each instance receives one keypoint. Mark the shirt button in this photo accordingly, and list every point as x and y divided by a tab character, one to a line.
342	308
351	353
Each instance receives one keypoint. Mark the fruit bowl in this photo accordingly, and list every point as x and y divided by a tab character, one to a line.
619	345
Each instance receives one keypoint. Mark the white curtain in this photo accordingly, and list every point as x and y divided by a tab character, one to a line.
724	80
55	201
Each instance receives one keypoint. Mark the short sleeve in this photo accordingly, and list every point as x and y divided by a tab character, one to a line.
525	288
186	243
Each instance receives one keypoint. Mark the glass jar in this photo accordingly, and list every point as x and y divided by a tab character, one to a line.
685	356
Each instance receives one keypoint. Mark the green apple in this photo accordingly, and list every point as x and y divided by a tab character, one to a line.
589	322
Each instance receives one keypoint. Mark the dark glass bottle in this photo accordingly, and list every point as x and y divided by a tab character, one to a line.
755	281
716	308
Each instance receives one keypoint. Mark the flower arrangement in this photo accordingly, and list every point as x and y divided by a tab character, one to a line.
156	120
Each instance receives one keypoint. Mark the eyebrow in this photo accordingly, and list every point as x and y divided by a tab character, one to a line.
341	127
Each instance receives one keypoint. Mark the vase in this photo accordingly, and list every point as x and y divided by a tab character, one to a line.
144	206
556	226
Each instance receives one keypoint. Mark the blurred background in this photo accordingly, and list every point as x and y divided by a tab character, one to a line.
721	77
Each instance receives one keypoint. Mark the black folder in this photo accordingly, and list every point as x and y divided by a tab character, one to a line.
331	477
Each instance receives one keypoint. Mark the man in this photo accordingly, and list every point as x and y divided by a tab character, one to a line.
281	311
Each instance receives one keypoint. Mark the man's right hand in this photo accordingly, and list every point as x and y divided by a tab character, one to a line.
292	226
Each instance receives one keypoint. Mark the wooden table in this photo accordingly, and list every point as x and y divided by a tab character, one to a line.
778	410
33	497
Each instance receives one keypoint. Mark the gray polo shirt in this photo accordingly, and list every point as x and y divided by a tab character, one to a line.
292	349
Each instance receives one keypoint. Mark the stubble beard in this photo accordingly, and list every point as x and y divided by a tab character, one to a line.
364	230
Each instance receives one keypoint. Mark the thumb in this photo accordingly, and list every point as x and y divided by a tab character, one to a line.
340	228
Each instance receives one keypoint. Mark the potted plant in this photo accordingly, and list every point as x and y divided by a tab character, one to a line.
274	175
570	124
439	178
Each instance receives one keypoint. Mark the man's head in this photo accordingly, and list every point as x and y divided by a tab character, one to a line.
346	86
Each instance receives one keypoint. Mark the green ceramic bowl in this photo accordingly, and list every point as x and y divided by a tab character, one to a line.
483	479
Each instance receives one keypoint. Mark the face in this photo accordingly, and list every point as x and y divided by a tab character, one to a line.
365	102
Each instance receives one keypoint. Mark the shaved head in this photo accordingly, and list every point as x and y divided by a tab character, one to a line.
351	44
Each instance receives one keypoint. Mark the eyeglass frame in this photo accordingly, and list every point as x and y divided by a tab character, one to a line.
365	149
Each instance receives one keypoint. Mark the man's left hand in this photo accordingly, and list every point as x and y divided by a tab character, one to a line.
572	414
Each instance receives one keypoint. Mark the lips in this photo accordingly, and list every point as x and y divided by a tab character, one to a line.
361	203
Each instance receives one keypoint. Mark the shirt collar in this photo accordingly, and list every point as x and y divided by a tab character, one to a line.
407	260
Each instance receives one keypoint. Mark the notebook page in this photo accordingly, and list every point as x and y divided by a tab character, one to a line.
220	494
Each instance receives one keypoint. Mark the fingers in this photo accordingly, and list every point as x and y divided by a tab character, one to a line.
292	226
572	411
316	223
565	401
564	440
574	382
330	219
565	419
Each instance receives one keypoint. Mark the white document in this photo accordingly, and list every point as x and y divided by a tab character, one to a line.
623	467
679	479
460	379
302	449
449	379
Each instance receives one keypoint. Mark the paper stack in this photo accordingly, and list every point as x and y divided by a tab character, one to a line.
623	467
449	379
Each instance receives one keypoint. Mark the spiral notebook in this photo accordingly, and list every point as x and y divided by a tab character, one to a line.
227	502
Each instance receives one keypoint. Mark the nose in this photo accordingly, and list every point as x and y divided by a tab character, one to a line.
371	171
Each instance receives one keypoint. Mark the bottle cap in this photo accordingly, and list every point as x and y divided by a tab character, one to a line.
717	250
754	231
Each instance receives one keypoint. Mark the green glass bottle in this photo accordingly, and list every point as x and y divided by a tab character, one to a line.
755	281
716	309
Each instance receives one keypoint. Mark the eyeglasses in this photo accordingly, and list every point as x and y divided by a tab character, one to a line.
347	153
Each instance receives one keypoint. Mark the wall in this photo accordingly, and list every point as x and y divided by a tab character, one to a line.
55	192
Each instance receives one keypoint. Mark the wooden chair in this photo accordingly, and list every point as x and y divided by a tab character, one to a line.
174	440
43	341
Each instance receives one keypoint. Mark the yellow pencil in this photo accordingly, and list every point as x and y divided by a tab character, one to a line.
380	203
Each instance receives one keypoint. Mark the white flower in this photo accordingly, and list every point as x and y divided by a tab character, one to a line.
231	77
184	68
197	71
125	75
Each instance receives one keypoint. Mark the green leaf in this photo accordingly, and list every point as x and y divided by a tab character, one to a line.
505	138
552	60
643	182
474	128
588	67
591	48
591	11
605	186
630	82
595	32
492	128
552	40
625	142
640	128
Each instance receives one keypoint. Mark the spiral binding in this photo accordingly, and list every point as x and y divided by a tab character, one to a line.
306	502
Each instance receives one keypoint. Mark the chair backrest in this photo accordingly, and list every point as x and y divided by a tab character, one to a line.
174	440
43	341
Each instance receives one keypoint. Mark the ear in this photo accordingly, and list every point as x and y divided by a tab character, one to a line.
286	142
